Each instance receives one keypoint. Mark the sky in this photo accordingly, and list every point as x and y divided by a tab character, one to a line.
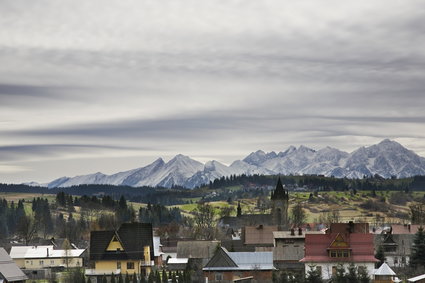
93	85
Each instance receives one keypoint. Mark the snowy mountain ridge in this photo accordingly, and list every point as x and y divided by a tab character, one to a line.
388	158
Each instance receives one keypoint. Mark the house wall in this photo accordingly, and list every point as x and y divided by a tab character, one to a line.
392	262
38	263
20	262
326	267
108	266
229	276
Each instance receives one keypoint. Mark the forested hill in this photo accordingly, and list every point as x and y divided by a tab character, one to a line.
227	186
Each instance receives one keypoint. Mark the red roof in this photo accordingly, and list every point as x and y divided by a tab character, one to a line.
404	229
360	246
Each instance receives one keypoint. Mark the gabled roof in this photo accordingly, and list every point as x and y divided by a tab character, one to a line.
221	259
27	252
405	229
224	260
8	269
361	246
133	237
259	235
383	270
196	249
339	243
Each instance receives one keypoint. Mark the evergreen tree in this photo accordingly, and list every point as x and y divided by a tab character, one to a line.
417	259
298	215
164	276
339	276
380	255
112	278
313	275
362	274
151	277
351	276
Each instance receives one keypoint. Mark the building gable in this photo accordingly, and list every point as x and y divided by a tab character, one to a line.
221	259
339	242
115	244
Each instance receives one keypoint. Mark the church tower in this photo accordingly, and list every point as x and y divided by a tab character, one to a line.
280	203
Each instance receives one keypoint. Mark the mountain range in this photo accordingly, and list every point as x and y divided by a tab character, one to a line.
388	158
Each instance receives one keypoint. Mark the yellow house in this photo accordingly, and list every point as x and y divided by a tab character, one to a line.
127	250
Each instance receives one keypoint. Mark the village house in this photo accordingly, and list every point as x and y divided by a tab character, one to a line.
396	247
289	248
130	249
227	266
40	257
325	252
259	238
9	271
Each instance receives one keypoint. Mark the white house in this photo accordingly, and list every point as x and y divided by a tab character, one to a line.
38	257
328	251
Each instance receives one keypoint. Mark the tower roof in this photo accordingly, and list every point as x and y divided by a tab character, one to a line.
280	192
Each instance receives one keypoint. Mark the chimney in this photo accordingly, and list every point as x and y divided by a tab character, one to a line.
292	232
300	231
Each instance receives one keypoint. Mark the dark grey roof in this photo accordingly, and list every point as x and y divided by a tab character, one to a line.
196	249
224	260
133	237
8	268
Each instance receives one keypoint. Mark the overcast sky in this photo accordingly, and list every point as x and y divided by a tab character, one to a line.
108	86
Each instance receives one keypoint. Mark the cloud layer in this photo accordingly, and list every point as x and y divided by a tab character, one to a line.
113	86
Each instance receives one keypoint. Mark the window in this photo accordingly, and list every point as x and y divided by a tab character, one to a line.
118	264
396	260
218	276
130	265
403	260
333	270
41	262
52	262
339	253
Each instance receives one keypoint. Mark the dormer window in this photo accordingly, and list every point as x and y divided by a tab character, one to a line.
339	253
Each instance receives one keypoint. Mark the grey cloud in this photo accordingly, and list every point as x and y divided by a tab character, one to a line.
18	152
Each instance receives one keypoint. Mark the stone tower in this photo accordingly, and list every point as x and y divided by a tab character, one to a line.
280	199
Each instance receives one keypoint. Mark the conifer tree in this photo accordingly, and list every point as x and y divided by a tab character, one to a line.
313	275
417	258
164	276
